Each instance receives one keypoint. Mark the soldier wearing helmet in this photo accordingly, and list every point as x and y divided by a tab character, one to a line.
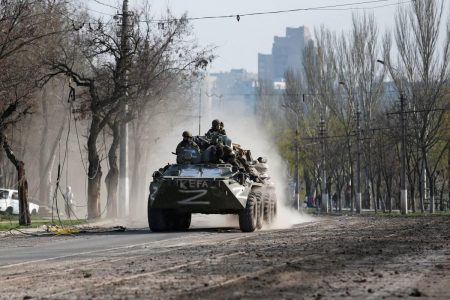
229	156
187	141
216	128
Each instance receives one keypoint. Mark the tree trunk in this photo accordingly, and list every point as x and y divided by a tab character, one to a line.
421	189
339	187
389	196
412	191
379	197
24	212
112	178
22	185
45	177
429	177
352	186
431	184
94	171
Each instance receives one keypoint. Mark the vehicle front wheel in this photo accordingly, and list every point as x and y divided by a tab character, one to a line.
259	221
157	218
182	221
268	208
274	206
248	217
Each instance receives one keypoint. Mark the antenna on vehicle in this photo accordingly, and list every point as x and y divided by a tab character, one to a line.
200	112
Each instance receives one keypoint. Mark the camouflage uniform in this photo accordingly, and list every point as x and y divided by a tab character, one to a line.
187	142
230	157
216	129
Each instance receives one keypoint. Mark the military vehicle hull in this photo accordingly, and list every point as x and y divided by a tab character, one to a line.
173	199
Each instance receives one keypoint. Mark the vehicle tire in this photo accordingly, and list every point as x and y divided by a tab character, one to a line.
260	219
268	208
9	210
157	218
273	200
248	217
182	221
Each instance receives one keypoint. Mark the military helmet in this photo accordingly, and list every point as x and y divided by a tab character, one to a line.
187	134
215	123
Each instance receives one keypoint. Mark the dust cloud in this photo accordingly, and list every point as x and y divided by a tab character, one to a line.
245	129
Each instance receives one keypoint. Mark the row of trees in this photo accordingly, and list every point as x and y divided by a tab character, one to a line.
51	51
353	81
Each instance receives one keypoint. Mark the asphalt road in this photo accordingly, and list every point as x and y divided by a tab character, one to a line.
338	257
35	247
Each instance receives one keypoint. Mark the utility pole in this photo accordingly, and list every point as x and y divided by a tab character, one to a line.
124	204
403	191
297	182
358	158
324	172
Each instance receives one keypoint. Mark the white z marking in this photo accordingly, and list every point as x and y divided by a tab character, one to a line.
189	201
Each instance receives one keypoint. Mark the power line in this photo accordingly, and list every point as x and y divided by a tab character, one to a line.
372	7
100	12
105	4
341	7
344	6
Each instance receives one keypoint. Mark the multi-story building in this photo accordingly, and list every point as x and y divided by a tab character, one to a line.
232	89
287	53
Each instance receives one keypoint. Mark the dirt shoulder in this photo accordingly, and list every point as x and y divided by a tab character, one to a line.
339	257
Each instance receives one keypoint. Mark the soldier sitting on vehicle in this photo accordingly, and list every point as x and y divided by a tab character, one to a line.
215	129
187	150
214	153
245	158
229	156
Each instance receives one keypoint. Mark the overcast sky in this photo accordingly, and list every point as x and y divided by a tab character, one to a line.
240	42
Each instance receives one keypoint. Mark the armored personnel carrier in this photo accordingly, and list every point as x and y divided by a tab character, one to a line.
194	185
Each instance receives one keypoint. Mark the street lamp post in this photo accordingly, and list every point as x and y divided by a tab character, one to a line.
403	190
124	204
324	190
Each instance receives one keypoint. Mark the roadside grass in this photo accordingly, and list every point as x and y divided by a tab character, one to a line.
9	222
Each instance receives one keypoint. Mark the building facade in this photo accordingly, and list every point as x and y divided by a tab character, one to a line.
287	53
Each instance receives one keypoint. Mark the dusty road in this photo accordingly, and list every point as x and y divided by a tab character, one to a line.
339	257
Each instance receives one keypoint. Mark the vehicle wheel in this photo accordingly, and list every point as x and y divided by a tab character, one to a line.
260	219
9	210
268	208
249	215
273	200
157	218
181	221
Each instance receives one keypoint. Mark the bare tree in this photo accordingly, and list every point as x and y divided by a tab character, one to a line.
97	65
21	32
421	72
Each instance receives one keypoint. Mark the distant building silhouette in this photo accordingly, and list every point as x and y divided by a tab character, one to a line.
287	53
234	88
